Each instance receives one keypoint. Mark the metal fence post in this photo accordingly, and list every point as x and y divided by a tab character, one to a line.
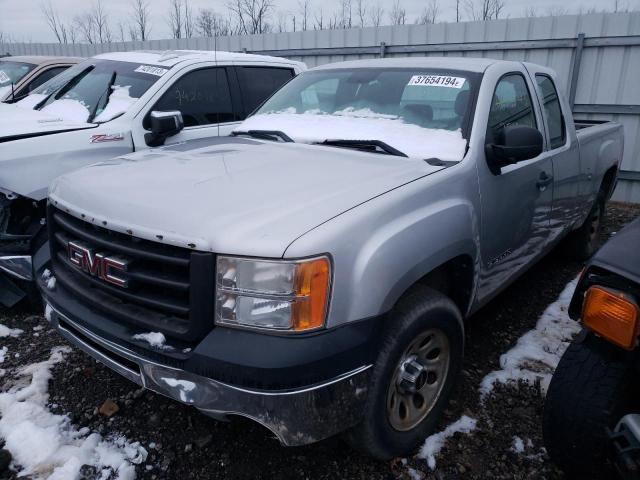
383	48
575	70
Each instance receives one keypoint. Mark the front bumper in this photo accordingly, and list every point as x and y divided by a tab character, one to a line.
296	416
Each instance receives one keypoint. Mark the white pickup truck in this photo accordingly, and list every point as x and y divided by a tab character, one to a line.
110	105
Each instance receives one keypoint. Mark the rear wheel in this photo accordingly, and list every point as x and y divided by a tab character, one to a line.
583	242
592	388
420	358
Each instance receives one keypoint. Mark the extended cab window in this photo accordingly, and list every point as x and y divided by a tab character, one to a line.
511	105
552	111
258	83
202	96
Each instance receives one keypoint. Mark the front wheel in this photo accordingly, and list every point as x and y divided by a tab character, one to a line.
592	388
419	360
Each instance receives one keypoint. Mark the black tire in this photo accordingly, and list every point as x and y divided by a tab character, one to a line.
422	309
582	243
591	390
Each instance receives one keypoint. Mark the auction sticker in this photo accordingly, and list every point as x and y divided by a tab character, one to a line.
4	78
437	81
157	71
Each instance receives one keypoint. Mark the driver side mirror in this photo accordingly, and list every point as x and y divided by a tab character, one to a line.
514	144
163	126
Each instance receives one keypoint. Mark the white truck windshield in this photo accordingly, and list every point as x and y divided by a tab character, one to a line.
94	91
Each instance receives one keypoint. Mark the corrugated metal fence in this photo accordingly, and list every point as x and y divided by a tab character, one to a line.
597	57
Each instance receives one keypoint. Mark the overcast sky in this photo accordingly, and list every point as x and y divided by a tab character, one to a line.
22	20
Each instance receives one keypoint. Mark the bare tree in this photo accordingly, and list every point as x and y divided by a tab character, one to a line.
304	7
430	13
398	14
557	11
140	28
484	9
62	31
209	24
362	12
530	12
283	22
457	11
252	16
376	14
189	21
85	27
100	21
346	14
176	20
318	20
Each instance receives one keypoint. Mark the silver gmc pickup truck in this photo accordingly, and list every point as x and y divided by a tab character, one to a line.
313	272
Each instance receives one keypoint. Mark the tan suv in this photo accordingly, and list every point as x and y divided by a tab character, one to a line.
20	75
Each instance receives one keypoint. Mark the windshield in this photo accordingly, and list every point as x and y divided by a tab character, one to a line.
12	73
420	112
94	91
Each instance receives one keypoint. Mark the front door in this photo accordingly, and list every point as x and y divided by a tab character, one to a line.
203	96
516	201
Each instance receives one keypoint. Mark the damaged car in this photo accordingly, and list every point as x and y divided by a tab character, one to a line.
107	106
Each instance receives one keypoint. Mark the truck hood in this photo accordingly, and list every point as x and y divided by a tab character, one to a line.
234	196
17	122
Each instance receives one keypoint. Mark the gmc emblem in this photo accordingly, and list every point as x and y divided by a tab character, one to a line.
98	265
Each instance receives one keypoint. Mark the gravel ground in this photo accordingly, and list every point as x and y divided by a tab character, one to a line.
189	445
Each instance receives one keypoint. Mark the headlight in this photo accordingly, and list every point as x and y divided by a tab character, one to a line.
272	294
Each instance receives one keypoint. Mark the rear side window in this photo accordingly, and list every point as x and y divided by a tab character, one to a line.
511	105
202	96
45	77
259	83
552	111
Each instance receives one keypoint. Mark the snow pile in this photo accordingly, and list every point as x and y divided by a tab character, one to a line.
4	92
3	353
538	351
9	332
518	445
155	339
350	124
48	446
435	442
119	102
71	110
48	277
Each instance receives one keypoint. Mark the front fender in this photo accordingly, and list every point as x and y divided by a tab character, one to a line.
381	248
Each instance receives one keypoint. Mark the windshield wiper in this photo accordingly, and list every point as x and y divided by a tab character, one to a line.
107	92
273	135
372	146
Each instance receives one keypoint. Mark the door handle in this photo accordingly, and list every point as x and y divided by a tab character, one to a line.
544	181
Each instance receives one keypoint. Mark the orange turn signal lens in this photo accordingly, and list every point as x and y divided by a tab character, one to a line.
612	315
312	289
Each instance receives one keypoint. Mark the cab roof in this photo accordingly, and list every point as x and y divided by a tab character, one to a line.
173	57
478	65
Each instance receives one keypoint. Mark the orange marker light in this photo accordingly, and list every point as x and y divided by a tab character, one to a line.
312	289
612	315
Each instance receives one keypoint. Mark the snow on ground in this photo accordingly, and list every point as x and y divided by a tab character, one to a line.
119	102
518	445
3	353
46	446
413	140
434	443
155	339
9	332
538	351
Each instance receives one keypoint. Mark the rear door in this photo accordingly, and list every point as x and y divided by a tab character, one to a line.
259	82
41	78
516	200
568	207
